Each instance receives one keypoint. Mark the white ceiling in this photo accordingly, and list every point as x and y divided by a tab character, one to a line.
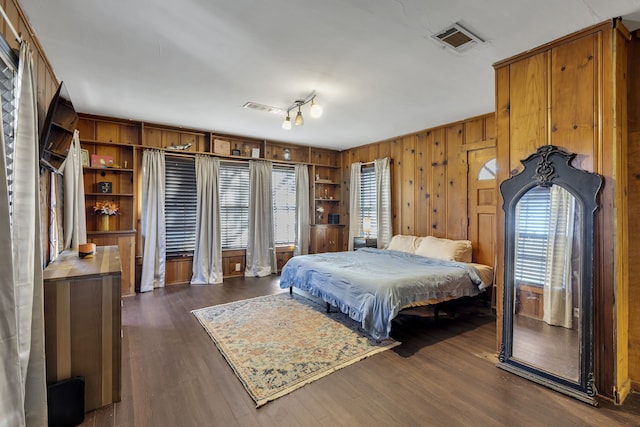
377	72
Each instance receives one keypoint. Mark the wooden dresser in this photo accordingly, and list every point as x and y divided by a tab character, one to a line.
82	312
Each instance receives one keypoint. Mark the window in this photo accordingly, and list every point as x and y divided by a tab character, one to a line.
368	201
533	215
284	206
234	205
8	74
488	171
180	205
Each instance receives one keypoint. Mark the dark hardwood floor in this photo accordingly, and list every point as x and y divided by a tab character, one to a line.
552	348
443	374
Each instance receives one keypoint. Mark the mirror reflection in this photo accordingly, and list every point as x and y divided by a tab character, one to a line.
546	323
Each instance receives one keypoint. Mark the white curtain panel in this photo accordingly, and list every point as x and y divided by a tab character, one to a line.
23	393
11	402
56	215
207	254
302	210
557	294
153	225
383	200
355	226
75	223
260	255
54	238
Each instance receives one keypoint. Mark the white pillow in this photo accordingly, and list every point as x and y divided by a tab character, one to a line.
445	249
404	243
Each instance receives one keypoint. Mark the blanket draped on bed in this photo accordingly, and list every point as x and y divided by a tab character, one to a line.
373	285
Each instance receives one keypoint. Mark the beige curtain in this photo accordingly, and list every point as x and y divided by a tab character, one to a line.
23	393
302	210
355	225
54	235
383	201
207	254
558	299
75	226
153	226
261	255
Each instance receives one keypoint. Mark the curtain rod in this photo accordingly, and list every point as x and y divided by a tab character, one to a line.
372	162
173	153
13	30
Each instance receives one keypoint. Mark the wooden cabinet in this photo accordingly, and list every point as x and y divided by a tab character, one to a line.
115	142
326	238
530	301
326	223
233	262
82	314
283	255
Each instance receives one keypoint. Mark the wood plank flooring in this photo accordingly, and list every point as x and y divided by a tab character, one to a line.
443	374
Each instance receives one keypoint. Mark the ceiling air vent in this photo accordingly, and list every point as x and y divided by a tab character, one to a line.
265	108
457	38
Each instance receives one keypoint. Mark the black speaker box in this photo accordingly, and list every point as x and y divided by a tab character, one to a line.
334	219
65	400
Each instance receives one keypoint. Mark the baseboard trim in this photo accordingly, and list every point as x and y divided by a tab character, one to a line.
621	393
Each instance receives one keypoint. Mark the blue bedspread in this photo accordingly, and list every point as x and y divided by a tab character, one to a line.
373	285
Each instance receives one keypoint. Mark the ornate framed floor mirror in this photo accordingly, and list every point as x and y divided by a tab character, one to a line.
547	333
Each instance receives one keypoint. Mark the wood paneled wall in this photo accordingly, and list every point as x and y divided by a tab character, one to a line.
429	176
46	81
46	85
633	201
562	95
572	93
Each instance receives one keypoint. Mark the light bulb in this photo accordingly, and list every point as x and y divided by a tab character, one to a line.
316	110
299	119
287	123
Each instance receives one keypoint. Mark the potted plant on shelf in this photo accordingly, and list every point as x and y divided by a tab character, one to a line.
104	210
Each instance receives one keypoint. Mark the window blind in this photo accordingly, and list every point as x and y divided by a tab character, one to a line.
234	205
368	201
284	206
532	231
8	74
180	205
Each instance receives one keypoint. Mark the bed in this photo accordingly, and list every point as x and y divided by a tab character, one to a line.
373	285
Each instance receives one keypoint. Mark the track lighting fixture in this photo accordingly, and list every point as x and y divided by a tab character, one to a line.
315	111
299	119
287	123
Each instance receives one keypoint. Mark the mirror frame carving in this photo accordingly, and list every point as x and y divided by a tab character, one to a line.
552	166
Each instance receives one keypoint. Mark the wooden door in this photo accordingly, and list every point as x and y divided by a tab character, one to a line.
318	239
482	204
332	239
325	238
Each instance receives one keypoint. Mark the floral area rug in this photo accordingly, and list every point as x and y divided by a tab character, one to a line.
278	343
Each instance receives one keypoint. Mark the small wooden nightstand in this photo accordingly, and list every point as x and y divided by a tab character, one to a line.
364	242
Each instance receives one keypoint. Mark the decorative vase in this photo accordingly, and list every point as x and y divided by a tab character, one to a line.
103	223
